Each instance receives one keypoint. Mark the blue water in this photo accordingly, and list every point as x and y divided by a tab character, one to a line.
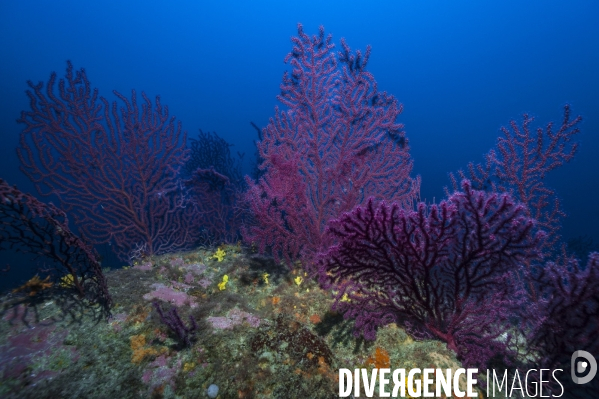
462	69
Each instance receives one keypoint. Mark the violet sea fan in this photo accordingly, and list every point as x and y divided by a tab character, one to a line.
569	303
173	321
449	271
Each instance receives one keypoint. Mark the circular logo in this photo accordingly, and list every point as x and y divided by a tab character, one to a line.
589	363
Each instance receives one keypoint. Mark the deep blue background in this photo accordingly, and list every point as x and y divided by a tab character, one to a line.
462	69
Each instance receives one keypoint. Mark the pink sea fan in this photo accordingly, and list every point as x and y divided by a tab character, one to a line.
337	142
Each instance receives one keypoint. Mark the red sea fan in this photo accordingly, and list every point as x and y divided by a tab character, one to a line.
338	143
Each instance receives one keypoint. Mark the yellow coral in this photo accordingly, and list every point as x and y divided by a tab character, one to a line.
414	387
187	367
219	255
223	284
380	359
140	352
35	285
67	281
137	341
